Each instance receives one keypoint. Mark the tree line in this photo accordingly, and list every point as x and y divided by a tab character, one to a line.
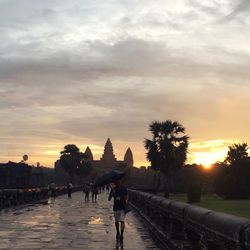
167	153
231	177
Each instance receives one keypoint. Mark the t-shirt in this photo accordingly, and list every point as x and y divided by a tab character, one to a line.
119	197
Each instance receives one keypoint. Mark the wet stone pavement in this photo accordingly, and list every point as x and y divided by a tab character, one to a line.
70	224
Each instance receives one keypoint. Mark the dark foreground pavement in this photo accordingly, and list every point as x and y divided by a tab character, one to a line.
70	224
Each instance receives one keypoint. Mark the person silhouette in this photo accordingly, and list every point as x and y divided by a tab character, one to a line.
94	193
86	190
69	189
120	195
119	245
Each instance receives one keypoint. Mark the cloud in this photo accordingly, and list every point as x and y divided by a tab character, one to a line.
72	72
242	7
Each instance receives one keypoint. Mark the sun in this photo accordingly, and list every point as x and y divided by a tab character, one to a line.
207	159
206	153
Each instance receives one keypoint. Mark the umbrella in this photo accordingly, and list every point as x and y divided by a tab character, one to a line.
109	177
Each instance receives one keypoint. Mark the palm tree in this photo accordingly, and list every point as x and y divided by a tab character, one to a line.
236	152
167	151
155	158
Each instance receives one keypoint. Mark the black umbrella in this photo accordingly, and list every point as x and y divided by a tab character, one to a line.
109	177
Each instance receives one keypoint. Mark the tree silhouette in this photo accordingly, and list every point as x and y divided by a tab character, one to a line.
232	177
70	149
236	152
167	150
156	160
75	162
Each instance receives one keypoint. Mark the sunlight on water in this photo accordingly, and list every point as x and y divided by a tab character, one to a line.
95	221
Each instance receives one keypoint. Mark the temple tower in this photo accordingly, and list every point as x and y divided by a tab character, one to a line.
88	152
128	158
108	158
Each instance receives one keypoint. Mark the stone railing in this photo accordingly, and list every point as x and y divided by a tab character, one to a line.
178	225
14	197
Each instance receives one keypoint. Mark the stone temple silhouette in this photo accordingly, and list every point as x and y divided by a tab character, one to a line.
108	159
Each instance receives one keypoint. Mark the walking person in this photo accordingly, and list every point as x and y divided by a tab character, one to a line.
86	190
94	194
52	189
69	189
120	195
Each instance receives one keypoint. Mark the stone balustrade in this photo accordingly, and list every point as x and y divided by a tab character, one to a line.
178	225
14	197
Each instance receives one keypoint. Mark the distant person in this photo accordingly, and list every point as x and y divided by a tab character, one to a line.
120	195
94	194
52	190
86	190
69	189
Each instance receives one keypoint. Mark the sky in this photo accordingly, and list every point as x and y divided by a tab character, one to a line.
80	71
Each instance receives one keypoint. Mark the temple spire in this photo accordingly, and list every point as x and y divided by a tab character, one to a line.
128	158
88	152
108	157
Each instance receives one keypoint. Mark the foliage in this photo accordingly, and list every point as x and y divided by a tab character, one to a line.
75	162
194	193
153	154
195	181
232	182
142	179
236	152
232	177
220	172
156	161
168	148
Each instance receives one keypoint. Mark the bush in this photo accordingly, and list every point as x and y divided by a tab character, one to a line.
194	193
232	182
195	182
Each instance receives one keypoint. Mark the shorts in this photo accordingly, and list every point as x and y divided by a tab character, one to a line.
119	215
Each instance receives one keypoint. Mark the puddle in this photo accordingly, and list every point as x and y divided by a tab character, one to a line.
95	221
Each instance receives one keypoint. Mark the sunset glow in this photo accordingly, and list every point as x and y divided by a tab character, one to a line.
71	73
207	153
208	158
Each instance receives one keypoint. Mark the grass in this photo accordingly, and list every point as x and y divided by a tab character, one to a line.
213	202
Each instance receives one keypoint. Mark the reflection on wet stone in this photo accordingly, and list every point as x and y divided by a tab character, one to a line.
70	224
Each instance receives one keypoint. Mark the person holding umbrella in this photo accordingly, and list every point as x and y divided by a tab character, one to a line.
120	195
